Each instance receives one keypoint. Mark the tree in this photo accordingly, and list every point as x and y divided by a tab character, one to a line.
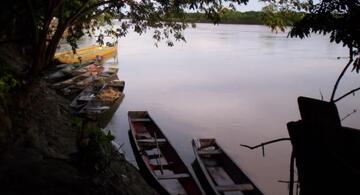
38	25
339	18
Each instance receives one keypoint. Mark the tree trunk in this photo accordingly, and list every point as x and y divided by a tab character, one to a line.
51	49
40	49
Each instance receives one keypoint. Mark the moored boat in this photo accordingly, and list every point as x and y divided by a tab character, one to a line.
63	70
86	54
218	173
158	160
85	96
102	106
71	81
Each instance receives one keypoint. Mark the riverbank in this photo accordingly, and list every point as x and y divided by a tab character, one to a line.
46	150
228	16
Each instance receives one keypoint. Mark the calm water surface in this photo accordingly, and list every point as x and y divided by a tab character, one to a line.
237	83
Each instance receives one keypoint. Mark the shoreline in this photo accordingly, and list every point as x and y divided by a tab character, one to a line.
47	150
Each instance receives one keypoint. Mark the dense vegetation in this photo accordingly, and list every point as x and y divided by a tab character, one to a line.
229	16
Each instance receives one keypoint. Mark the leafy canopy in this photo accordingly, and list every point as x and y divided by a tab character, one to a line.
46	21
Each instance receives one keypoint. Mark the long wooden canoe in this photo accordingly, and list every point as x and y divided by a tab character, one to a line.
105	103
158	161
86	54
64	70
218	172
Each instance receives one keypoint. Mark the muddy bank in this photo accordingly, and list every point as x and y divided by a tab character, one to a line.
46	150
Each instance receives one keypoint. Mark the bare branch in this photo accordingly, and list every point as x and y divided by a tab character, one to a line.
346	94
351	53
265	143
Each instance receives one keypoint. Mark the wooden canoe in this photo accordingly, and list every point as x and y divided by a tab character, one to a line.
217	171
72	90
71	81
158	161
64	69
86	54
84	97
102	107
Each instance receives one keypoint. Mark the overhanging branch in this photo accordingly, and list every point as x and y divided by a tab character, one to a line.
351	53
346	94
265	143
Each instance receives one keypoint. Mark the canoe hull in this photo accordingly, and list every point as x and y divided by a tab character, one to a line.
158	161
105	118
86	54
144	171
218	173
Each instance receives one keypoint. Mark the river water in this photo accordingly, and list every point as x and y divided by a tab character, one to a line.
236	83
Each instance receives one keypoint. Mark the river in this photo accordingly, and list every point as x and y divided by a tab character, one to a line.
236	83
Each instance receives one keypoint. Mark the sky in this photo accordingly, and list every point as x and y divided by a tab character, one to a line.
253	5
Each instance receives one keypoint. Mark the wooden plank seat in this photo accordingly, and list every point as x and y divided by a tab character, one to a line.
173	176
85	97
151	142
143	135
140	120
160	140
97	108
235	187
209	152
165	166
152	156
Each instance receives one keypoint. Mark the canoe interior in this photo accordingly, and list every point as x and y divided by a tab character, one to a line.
83	97
85	54
159	158
101	110
223	175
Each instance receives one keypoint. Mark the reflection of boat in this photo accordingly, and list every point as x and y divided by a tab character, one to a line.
86	54
158	161
103	105
218	172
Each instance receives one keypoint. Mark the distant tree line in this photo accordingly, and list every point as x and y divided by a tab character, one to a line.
229	16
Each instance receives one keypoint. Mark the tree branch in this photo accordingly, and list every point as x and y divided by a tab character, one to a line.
265	143
82	10
351	53
346	94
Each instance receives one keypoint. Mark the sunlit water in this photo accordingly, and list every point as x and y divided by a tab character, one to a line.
237	83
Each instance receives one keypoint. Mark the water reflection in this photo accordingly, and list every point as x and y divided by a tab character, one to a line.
237	83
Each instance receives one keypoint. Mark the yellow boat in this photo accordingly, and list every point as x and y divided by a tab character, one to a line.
85	54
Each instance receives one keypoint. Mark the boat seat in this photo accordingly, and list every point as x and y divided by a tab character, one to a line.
165	166
145	135
209	152
140	120
235	187
85	98
160	140
153	156
173	176
97	108
151	142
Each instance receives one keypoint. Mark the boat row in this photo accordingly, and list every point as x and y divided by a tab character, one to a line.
163	168
95	90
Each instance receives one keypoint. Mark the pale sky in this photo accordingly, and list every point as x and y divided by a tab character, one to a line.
253	5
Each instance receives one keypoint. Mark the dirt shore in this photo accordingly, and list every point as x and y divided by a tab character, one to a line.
45	149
